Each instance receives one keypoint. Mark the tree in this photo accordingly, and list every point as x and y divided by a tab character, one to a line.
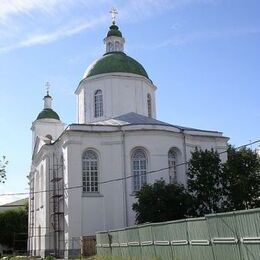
205	181
242	179
13	221
3	164
161	202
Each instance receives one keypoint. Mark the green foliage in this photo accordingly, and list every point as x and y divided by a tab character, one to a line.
19	258
212	187
205	180
49	258
3	165
116	258
13	222
242	179
161	202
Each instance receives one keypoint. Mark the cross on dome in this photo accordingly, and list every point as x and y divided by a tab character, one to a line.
47	85
113	13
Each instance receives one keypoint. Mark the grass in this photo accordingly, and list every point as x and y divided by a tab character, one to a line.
81	258
117	258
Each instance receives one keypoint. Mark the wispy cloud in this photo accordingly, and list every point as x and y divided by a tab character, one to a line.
10	8
187	38
62	32
138	10
24	23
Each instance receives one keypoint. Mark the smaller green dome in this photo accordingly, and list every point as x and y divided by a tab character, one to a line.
48	113
114	31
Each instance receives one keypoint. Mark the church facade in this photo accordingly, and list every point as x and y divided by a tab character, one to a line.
84	177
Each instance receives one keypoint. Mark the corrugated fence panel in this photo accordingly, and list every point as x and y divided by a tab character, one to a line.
115	243
179	240
103	244
146	240
123	241
224	237
248	224
199	239
134	247
232	236
161	236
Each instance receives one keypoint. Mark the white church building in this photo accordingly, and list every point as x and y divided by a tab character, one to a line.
88	172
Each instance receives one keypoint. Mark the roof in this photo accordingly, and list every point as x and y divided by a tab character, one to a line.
131	119
115	62
137	119
14	205
48	113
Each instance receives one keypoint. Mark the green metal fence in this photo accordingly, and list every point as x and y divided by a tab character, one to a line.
232	236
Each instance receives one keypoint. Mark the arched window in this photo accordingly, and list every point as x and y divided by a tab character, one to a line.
149	105
172	161
110	47
139	168
90	171
117	46
98	103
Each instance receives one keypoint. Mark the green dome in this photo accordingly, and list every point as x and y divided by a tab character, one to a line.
115	62
48	113
114	31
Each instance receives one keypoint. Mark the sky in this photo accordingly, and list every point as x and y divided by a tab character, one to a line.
203	56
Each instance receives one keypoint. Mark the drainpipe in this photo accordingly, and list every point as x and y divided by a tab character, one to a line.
184	154
125	180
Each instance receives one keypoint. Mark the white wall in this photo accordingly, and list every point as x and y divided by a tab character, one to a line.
107	210
47	126
122	93
87	213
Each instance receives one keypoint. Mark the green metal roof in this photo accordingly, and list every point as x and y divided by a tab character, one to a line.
48	113
114	31
115	62
15	205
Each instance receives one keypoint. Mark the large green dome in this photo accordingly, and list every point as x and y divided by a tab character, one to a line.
115	62
48	113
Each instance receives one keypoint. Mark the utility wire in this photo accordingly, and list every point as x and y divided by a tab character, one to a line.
118	179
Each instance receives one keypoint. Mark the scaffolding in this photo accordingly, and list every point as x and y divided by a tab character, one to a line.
31	214
56	206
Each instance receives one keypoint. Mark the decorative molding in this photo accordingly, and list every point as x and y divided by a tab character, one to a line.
111	143
179	242
250	240
199	242
162	243
133	243
146	243
224	240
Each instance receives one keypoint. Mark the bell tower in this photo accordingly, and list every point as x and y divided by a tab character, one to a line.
47	127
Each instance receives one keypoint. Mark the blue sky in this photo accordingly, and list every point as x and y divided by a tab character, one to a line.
203	56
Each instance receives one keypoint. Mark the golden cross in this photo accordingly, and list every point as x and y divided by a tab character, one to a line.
47	85
113	13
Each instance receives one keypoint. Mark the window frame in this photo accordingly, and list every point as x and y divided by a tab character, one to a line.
139	167
149	105
172	162
98	103
90	172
